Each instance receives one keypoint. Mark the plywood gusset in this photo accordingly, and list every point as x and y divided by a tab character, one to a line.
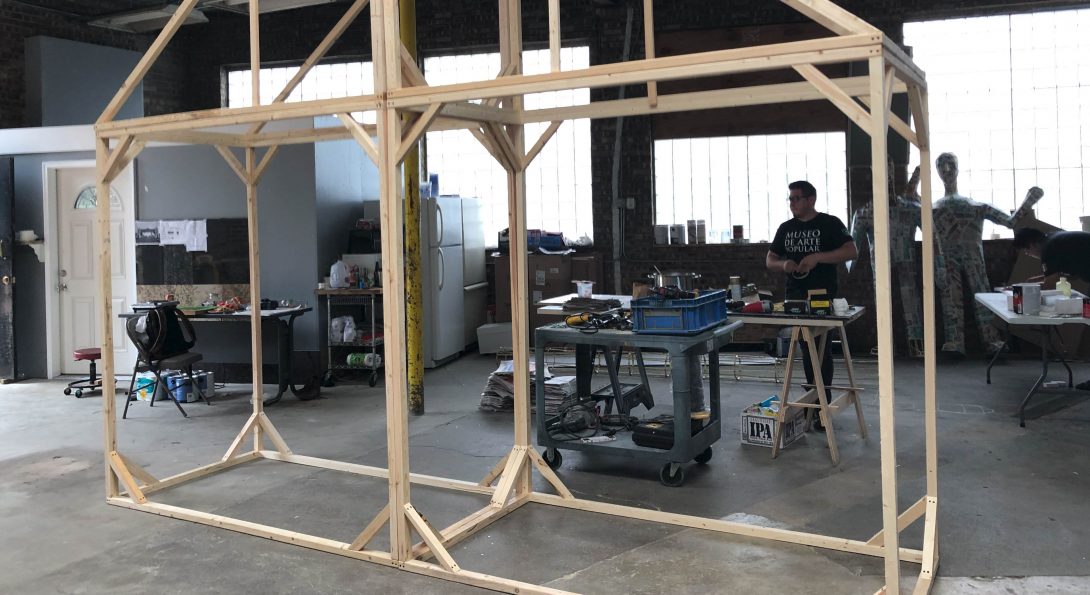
493	111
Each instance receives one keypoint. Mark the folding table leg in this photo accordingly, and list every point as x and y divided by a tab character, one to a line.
128	395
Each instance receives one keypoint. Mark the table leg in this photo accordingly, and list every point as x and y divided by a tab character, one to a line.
851	379
612	365
785	392
285	341
816	359
648	398
998	352
1063	360
584	370
1040	380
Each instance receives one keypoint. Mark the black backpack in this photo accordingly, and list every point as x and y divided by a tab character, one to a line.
168	332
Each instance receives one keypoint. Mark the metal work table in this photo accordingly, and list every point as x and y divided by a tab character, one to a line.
283	318
1045	325
814	331
681	348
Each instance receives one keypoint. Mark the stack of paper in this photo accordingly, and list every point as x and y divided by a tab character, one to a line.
499	391
559	393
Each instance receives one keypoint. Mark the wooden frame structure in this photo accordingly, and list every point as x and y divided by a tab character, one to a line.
493	112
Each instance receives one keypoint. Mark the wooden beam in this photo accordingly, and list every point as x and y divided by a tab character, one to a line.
495	472
265	161
898	125
229	116
121	164
417	130
315	56
903	64
486	142
199	472
721	526
649	48
554	35
379	472
144	65
137	471
550	476
361	136
106	320
371	530
699	100
117	155
930	562
126	478
233	163
410	70
884	312
468	526
509	157
427	533
331	546
299	137
507	480
255	52
540	144
831	16
906	518
836	95
765	57
274	436
194	137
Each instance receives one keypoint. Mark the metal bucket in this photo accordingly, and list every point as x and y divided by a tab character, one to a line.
681	279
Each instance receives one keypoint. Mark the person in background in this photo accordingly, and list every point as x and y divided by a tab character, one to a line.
807	249
1064	253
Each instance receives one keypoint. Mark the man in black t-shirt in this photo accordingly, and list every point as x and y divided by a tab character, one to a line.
808	249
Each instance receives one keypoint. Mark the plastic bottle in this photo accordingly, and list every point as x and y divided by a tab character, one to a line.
1064	286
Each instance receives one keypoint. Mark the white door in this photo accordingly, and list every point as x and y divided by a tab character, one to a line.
76	275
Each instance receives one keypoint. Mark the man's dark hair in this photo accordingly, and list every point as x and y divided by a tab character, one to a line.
807	188
1026	237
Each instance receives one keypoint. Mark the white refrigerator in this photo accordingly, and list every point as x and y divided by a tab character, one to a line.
443	274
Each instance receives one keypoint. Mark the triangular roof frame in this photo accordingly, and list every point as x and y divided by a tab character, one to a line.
498	123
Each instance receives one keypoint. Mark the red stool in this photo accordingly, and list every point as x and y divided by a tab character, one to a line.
91	383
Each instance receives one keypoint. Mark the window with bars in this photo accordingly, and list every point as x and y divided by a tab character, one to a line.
742	180
1010	96
558	182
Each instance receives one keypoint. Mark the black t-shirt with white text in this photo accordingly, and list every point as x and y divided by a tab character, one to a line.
797	239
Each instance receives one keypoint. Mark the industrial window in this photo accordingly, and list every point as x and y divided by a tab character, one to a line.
1011	98
742	180
558	183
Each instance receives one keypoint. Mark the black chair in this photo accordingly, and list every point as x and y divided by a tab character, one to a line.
163	337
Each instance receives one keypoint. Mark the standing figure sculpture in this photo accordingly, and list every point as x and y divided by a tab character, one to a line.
959	229
904	219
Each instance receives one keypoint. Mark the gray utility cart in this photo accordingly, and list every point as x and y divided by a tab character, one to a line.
687	446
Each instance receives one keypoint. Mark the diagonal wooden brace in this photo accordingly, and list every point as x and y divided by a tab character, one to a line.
236	444
273	435
549	475
126	478
510	474
371	529
430	537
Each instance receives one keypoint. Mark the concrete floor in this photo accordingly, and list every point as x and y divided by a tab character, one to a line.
1013	500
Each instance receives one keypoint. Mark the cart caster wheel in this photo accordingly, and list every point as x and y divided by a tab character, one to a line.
553	461
67	391
704	457
327	380
79	393
674	480
373	380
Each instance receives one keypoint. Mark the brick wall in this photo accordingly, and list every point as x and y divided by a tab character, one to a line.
163	89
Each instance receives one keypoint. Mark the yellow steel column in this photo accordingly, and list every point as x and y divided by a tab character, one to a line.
414	289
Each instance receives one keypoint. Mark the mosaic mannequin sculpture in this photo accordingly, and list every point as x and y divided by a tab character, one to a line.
904	218
959	227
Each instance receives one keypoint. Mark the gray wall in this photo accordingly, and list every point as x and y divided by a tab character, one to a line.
344	177
69	82
30	338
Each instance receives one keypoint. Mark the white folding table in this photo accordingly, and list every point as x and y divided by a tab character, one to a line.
1047	326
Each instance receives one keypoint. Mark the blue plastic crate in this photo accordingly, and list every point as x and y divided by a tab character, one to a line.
655	316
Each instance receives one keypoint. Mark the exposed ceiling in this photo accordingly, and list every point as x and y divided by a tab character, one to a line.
103	12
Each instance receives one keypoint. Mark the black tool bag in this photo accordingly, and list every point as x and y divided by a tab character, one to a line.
658	432
168	332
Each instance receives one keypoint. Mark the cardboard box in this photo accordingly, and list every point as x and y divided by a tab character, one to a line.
548	275
759	426
588	268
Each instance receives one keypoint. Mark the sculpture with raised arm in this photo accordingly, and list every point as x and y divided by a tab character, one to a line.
959	229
